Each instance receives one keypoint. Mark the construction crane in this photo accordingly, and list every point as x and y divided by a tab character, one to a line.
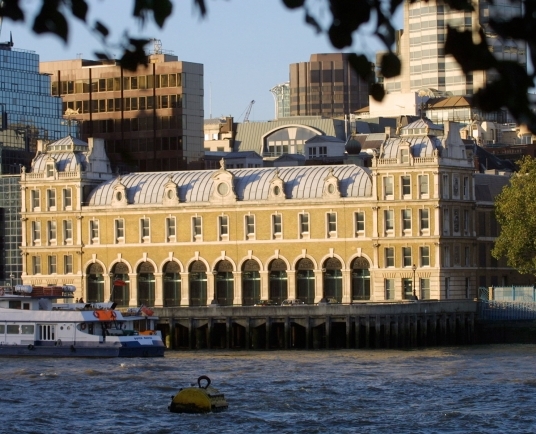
248	111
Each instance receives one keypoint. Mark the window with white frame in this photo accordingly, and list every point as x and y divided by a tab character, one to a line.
277	226
406	186
36	233
389	257
94	231
446	221
406	257
197	229
50	170
424	220
332	224
171	229
389	221
36	264
304	225
425	256
406	220
67	199
250	227
145	230
404	155
446	256
223	225
36	199
119	228
425	289
67	231
68	264
388	187
359	223
52	266
51	199
389	289
51	231
446	187
423	186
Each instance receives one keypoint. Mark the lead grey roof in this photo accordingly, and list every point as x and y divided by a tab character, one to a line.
304	182
64	161
488	187
421	146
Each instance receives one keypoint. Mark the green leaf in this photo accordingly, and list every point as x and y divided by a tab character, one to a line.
134	54
390	65
101	28
470	56
79	9
377	92
10	9
361	65
51	20
293	4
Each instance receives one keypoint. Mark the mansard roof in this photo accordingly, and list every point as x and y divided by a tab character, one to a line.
68	154
421	146
252	184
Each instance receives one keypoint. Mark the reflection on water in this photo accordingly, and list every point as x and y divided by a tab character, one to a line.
471	389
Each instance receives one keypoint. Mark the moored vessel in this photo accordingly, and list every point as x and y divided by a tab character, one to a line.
33	323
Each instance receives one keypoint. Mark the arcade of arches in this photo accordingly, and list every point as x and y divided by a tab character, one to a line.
224	285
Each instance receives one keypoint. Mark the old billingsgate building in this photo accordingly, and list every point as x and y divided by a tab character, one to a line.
406	224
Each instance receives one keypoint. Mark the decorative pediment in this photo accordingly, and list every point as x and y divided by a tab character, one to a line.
119	198
331	185
171	196
223	186
277	188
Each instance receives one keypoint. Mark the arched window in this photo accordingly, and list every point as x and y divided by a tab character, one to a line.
333	279
360	279
305	280
251	283
224	283
120	285
197	279
287	140
146	284
172	284
278	281
95	283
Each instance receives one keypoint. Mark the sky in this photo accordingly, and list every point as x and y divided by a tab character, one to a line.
246	46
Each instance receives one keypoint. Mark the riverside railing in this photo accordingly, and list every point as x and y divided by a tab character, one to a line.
492	310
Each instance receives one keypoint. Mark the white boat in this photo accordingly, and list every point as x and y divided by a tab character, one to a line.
33	323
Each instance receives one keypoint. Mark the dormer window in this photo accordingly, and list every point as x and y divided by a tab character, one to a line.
50	170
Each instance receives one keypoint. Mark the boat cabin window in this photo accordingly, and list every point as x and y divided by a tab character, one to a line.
27	329
14	304
2	329
26	306
12	329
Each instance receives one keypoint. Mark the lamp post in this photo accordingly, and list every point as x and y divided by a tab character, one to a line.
12	276
112	285
414	268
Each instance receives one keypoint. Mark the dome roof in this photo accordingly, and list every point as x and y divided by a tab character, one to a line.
353	147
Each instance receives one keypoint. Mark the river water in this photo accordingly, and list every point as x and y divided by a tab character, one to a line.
479	389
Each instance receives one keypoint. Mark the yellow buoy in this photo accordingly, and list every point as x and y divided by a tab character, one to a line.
201	399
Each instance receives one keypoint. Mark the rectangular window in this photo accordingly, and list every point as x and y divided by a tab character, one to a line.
406	257
425	256
250	227
276	226
389	257
51	199
144	230
465	187
446	187
447	287
406	219
36	233
119	231
94	231
389	289
388	187
68	264
467	256
423	185
389	220
446	256
51	231
424	220
197	228
35	197
407	288
170	228
332	224
466	222
223	223
406	186
425	289
36	264
404	155
360	223
304	225
52	265
67	198
67	231
446	222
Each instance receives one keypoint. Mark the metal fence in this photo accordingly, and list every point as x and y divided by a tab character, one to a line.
514	293
506	311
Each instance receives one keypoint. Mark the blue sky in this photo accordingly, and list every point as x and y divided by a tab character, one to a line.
246	46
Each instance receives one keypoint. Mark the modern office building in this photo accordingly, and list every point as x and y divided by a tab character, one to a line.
326	86
421	46
417	220
10	230
281	93
150	119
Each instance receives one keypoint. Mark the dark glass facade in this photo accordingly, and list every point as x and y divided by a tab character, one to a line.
10	230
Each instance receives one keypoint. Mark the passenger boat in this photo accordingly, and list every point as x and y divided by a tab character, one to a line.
33	323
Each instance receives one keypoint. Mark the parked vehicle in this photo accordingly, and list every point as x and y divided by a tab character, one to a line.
292	302
266	303
329	300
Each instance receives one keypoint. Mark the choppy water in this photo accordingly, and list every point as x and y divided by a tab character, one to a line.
457	390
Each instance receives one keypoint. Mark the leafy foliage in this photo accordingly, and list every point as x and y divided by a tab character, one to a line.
509	90
515	209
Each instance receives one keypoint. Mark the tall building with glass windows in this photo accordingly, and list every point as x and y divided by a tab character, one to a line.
150	119
421	46
281	93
